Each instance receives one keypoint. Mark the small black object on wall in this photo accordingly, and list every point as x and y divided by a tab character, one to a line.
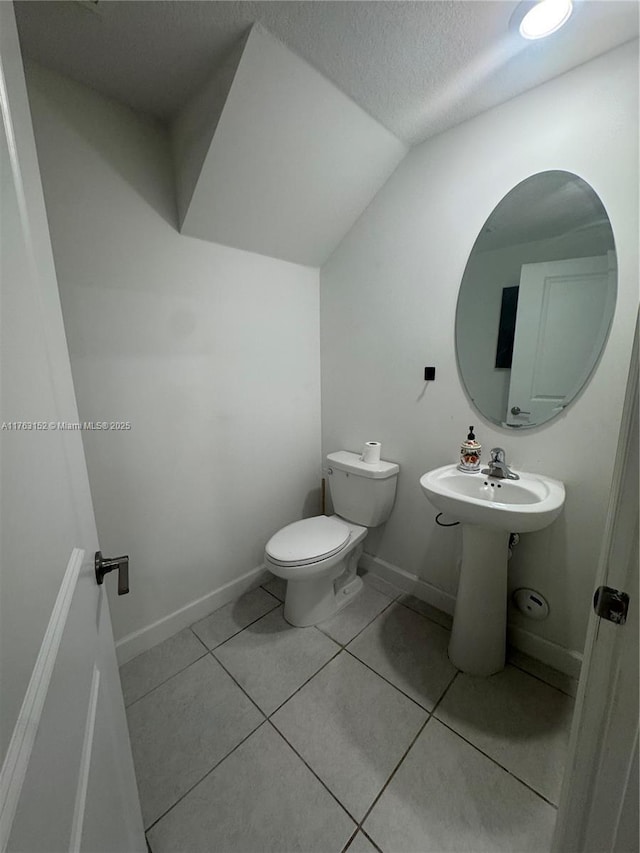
429	373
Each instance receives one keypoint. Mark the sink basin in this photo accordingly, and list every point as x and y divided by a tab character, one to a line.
515	506
490	510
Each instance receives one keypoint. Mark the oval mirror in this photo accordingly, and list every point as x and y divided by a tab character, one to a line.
536	300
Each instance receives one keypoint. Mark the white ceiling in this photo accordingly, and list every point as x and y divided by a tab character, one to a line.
418	67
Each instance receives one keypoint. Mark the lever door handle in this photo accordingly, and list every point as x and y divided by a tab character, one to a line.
516	410
103	565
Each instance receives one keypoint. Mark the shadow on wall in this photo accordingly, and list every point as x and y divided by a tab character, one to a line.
312	503
147	168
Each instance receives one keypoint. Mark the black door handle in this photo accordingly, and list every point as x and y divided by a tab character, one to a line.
108	564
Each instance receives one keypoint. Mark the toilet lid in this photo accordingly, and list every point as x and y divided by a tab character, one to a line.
308	540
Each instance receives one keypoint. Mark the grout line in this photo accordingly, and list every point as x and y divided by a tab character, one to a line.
350	841
404	755
497	763
202	778
508	662
239	631
272	594
370	839
393	772
477	748
202	643
370	622
326	634
248	695
445	691
206	648
395	686
326	663
164	681
235	680
266	719
275	607
308	766
340	648
384	610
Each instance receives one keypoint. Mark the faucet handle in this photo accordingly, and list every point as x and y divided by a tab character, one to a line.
497	454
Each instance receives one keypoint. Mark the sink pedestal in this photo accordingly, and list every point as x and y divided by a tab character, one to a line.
478	636
488	508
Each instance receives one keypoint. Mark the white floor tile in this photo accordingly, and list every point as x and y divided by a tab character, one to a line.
271	660
151	668
233	617
182	728
517	720
352	728
260	799
408	650
344	626
447	797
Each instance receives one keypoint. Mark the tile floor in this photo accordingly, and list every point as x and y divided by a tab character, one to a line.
251	736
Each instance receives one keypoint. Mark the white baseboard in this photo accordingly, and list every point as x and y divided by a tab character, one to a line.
145	638
408	583
564	660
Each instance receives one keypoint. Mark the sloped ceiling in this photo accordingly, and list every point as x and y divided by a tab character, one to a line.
290	162
417	67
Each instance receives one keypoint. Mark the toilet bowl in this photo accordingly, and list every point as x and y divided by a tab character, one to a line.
318	557
311	555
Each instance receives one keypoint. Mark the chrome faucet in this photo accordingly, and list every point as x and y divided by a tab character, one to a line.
498	466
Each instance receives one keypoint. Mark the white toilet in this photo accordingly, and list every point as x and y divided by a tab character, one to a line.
318	557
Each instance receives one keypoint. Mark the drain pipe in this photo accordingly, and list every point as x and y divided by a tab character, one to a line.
442	524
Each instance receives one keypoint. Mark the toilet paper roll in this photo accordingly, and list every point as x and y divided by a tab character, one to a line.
371	452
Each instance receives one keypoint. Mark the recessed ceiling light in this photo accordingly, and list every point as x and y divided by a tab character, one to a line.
544	18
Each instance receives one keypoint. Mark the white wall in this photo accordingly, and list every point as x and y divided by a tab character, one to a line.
211	353
388	298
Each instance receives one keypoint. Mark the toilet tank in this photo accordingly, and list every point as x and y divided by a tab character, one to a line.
361	492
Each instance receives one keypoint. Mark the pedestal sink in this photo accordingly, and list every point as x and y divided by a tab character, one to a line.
489	509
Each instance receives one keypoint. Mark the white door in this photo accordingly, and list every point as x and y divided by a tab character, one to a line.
564	311
599	803
67	780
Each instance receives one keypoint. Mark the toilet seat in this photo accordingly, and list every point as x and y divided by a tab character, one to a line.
307	541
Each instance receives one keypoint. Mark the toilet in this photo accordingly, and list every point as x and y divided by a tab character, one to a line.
318	557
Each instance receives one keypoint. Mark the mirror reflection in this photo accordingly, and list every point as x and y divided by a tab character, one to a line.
536	300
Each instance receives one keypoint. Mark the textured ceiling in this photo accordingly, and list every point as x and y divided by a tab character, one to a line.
552	205
418	67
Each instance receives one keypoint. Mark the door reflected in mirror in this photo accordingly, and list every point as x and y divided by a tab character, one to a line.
536	300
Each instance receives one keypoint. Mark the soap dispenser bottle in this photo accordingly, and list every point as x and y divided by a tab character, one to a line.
470	454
